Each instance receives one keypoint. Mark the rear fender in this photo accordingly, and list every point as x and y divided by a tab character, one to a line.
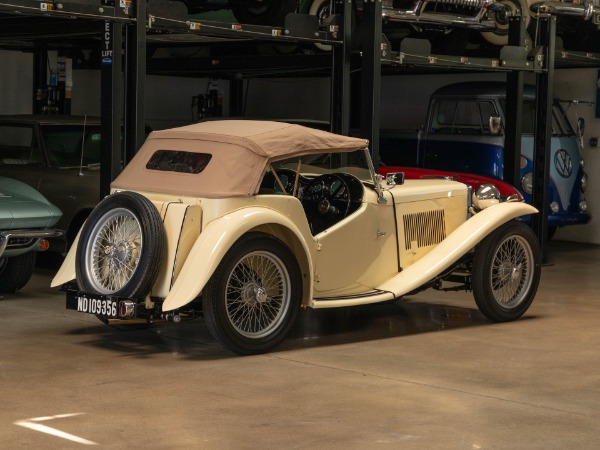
66	272
214	242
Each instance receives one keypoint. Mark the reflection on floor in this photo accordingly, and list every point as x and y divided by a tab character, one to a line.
427	371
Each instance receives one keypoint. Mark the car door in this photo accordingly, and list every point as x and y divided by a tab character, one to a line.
358	253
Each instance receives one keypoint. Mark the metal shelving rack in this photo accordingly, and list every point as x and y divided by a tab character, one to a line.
125	27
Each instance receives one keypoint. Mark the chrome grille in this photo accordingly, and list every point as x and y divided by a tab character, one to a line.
424	228
467	3
19	242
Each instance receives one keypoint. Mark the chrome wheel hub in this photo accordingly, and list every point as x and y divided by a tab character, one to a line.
114	250
257	294
512	271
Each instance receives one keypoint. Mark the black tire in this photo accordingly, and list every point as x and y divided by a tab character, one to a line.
506	272
237	292
500	34
102	245
262	12
16	271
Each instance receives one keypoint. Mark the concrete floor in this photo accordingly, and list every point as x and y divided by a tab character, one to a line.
428	373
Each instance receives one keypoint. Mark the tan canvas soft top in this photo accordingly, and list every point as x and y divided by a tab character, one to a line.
240	151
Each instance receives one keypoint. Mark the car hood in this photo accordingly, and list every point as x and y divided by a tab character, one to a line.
21	206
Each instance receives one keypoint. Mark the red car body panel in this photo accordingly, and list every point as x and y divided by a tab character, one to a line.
414	173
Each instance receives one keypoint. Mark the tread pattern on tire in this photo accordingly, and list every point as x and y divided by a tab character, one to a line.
16	271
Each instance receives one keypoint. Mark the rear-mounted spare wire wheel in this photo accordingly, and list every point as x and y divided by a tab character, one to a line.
121	247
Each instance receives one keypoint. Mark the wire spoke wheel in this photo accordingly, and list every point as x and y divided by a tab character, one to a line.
512	273
114	249
506	272
257	294
121	247
251	301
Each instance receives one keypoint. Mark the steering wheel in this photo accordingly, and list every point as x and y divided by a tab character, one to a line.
326	201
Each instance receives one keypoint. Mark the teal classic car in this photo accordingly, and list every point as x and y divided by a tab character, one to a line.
26	220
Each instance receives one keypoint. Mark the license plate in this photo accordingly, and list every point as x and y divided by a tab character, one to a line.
93	304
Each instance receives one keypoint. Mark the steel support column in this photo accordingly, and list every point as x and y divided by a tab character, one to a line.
236	95
135	83
543	133
111	110
514	114
340	71
371	75
40	79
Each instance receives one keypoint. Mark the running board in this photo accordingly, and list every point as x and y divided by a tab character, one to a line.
374	296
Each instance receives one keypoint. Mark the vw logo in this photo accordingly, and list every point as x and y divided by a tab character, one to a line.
563	163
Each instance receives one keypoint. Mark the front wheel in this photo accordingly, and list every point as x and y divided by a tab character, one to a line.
16	271
251	301
506	272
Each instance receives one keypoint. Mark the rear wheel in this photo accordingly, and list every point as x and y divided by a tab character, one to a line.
251	301
511	7
506	272
121	247
262	12
16	271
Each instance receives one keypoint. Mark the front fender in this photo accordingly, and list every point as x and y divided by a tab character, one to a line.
212	244
451	249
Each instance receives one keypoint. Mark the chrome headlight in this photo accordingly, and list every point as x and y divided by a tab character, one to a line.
486	195
584	182
527	182
554	207
583	206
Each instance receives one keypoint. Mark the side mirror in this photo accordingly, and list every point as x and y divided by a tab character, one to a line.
394	178
495	124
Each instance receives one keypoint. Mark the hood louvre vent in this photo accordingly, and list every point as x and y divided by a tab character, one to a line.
424	229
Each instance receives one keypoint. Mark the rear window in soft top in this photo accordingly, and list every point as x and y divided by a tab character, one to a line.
178	161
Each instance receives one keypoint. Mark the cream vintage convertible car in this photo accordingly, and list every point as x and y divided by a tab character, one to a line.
248	222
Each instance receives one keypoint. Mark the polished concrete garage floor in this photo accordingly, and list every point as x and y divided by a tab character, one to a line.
428	373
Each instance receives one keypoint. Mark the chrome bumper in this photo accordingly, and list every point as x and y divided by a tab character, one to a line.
6	236
418	14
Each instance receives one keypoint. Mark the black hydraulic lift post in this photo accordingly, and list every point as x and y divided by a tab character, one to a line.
236	95
371	75
543	133
135	83
111	111
340	71
40	80
514	100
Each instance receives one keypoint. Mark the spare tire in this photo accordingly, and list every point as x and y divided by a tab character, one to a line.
121	247
262	12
